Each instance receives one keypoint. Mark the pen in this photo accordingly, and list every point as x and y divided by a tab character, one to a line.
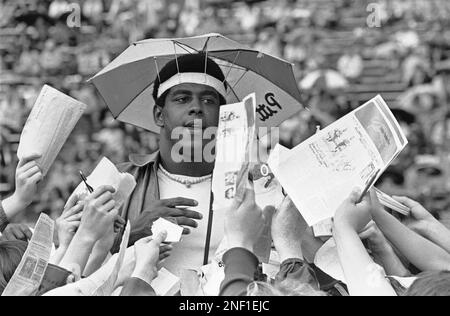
369	185
90	189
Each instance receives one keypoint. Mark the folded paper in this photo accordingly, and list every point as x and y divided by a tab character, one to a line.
52	119
174	232
320	173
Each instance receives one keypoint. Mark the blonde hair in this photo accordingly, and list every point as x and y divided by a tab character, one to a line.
288	287
431	284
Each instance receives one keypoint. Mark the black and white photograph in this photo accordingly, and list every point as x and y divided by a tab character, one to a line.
114	115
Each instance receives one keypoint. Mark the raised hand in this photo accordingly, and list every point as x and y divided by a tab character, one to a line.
28	175
420	218
147	252
69	221
244	221
288	227
99	213
16	232
374	236
353	215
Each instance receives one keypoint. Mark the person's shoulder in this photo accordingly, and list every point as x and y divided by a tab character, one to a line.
138	161
125	166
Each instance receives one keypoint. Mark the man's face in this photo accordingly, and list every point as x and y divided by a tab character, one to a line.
189	108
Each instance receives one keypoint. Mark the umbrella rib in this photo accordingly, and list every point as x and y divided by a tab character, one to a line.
237	82
176	58
182	47
235	94
231	65
205	48
268	78
157	69
134	98
182	44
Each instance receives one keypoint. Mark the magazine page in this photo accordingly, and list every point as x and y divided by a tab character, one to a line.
353	152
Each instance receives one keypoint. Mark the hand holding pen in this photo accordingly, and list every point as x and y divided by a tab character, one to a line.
119	223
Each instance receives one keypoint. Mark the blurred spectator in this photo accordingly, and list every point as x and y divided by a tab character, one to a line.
351	63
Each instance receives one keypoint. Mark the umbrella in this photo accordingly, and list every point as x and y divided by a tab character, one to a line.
126	84
329	79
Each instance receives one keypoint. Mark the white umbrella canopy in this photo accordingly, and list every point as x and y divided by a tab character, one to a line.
329	78
126	84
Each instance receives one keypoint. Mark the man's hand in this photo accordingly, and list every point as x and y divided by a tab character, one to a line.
169	208
16	232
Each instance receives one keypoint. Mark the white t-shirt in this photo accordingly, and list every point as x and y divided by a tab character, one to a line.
189	252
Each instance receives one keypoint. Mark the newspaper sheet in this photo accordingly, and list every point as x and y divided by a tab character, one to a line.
52	119
31	270
235	135
107	288
320	173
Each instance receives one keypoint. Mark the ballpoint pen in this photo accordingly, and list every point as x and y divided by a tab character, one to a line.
90	189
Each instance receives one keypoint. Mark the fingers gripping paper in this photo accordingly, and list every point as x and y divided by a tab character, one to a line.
389	202
52	119
30	272
235	135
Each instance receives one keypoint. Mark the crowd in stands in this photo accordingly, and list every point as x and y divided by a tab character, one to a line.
404	60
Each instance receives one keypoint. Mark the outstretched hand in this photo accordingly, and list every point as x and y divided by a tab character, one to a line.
28	175
353	215
147	251
244	221
288	228
419	218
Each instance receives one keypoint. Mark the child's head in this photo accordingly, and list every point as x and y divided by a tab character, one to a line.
11	252
288	287
431	284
